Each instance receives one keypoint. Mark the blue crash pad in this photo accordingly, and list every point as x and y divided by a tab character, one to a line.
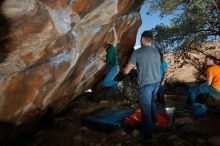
110	116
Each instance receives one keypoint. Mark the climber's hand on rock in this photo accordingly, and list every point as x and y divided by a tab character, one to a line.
112	28
103	60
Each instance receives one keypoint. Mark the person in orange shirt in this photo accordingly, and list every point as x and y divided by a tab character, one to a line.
213	81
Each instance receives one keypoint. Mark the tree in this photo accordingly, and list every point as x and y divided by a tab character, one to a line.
195	21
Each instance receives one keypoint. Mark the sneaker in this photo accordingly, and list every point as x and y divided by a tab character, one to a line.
120	86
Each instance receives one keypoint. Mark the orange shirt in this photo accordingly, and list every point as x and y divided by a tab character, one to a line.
214	73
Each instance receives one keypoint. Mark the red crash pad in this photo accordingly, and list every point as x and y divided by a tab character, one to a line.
162	118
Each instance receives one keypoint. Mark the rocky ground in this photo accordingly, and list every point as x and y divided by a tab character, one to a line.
67	128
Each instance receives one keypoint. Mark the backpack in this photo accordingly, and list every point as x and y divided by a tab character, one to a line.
198	110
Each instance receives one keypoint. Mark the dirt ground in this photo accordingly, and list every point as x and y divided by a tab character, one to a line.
68	128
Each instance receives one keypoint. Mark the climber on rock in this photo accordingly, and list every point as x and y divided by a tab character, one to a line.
213	81
112	61
147	61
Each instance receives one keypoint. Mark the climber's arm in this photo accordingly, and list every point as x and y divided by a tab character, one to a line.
115	42
209	76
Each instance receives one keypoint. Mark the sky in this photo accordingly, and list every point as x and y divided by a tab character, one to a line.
149	22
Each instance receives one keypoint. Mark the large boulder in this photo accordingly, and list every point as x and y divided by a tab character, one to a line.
51	51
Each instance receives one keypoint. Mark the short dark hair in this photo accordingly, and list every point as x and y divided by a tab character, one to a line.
147	35
211	58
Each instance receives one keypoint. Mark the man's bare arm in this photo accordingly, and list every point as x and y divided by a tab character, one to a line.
128	68
164	77
209	81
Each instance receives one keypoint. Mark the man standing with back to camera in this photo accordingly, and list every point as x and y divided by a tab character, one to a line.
147	61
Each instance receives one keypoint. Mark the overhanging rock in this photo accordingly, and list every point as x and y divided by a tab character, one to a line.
52	51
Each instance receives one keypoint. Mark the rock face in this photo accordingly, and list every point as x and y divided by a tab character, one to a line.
51	51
